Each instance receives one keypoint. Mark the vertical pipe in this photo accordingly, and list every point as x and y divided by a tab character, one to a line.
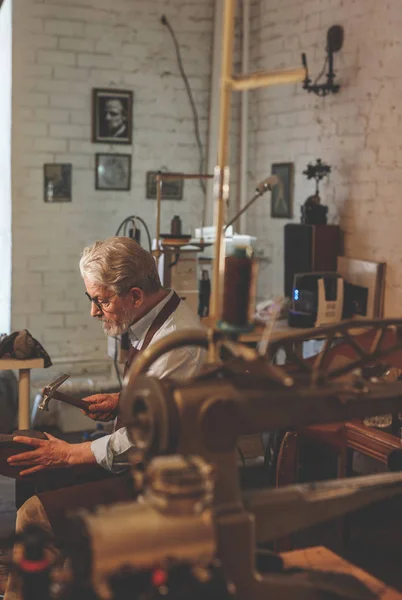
221	184
213	124
244	116
159	183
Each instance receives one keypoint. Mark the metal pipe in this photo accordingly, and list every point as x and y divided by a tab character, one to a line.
176	176
243	210
265	78
160	178
221	190
213	121
244	117
159	182
231	83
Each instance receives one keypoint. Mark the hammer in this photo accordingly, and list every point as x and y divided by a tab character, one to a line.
50	391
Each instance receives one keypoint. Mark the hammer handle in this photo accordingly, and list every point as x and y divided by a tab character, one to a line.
70	400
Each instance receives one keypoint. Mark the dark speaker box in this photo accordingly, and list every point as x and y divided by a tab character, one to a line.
310	248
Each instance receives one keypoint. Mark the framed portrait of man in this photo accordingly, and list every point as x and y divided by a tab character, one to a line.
112	116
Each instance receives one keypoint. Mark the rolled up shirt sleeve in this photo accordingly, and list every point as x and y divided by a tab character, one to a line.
111	450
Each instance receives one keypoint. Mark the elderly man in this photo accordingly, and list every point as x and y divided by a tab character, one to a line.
115	119
123	287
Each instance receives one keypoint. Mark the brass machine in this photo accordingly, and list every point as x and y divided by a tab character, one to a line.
192	507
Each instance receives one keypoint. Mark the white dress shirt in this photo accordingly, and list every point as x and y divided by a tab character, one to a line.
110	451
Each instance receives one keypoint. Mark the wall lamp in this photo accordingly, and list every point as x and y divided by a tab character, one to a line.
334	44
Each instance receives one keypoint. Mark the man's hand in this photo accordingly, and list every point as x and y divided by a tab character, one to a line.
50	454
102	407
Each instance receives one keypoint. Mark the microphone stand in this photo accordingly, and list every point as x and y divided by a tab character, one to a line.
261	189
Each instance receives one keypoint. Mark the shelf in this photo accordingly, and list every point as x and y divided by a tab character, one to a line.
9	364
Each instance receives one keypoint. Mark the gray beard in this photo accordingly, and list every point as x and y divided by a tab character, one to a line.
112	329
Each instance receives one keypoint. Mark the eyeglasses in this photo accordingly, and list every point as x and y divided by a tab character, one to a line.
101	305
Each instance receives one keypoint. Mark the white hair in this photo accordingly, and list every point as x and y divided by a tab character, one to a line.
119	264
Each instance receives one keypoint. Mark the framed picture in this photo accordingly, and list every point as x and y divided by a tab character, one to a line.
113	172
112	116
172	189
57	182
282	195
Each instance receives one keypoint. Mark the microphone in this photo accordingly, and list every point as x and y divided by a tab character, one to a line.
267	184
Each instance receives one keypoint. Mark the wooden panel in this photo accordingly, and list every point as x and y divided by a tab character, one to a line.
326	247
366	274
323	559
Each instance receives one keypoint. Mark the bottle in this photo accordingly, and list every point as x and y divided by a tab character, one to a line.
175	226
239	288
204	294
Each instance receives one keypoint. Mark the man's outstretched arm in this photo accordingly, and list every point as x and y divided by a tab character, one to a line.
50	454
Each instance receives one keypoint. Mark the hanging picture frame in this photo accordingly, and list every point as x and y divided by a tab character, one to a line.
112	116
57	182
113	172
172	189
282	195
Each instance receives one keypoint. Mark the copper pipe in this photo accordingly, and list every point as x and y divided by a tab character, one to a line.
266	78
231	83
160	178
174	176
221	172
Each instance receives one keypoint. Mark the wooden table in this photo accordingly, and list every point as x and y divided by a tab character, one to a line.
24	384
321	558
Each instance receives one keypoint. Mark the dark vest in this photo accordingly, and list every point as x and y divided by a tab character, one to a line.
156	324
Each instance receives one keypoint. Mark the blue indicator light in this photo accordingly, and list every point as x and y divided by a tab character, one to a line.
296	294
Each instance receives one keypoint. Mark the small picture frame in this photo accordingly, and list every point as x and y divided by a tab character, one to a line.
172	189
57	182
282	196
112	116
113	172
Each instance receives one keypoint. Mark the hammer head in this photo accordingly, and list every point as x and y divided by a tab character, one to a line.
48	391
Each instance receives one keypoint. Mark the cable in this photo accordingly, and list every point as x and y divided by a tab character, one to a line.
321	72
132	219
176	260
165	22
147	232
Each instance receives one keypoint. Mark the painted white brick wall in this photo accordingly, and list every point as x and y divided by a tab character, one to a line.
358	131
62	49
5	164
